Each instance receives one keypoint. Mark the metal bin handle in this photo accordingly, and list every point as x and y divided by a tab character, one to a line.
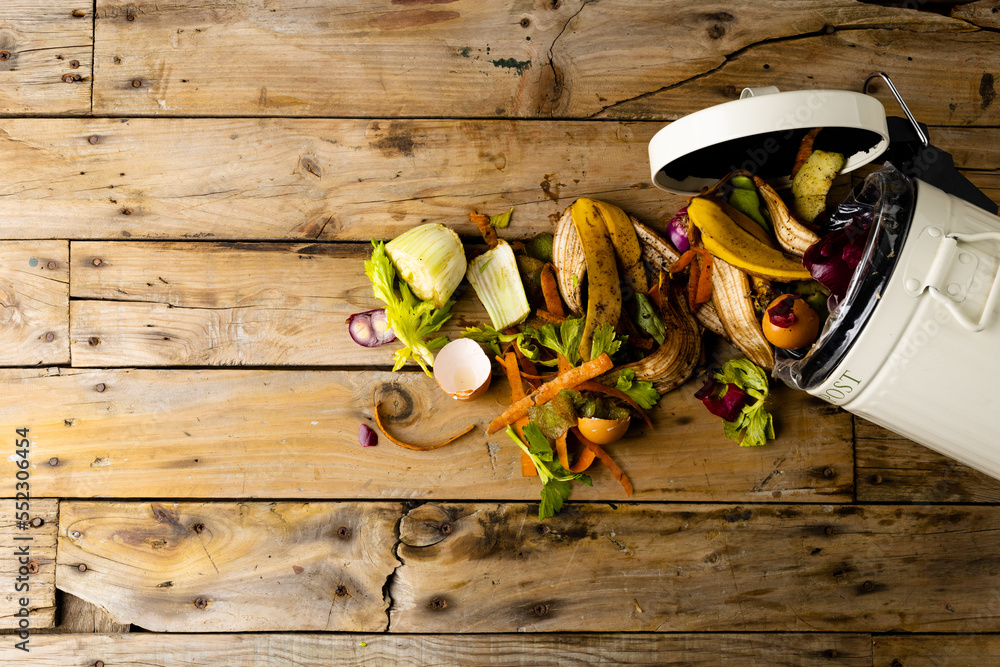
938	269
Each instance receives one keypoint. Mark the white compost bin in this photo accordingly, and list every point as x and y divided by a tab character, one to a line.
915	345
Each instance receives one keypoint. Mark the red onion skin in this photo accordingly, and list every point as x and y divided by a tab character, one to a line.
362	329
677	229
781	314
728	406
366	436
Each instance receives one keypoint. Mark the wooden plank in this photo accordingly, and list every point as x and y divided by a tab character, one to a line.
201	304
673	568
229	433
34	295
222	567
78	616
890	468
338	179
483	59
543	650
311	179
46	56
983	13
945	78
30	545
936	650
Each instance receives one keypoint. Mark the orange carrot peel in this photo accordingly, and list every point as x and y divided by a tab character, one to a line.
510	369
550	291
607	461
699	276
567	380
406	445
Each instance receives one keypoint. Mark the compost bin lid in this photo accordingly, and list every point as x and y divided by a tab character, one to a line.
761	132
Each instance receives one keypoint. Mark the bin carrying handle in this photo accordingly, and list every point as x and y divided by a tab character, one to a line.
939	267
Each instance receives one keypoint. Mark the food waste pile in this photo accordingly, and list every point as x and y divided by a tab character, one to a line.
591	325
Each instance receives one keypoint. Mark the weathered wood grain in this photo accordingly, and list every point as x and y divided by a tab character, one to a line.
499	650
46	56
890	468
78	616
672	568
280	179
949	80
311	179
936	650
32	547
486	59
185	567
228	433
34	296
210	304
984	13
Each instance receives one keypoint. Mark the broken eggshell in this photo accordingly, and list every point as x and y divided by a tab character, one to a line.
602	431
462	369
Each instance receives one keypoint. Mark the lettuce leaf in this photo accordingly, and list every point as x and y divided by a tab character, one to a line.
605	340
754	425
412	319
555	478
640	391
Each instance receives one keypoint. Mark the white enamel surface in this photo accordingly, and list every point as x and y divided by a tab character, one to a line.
760	114
915	369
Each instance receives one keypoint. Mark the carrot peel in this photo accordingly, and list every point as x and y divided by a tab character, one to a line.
567	380
406	445
607	461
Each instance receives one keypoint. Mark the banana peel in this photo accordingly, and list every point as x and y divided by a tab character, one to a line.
794	237
626	244
674	362
733	298
570	262
604	294
731	243
661	255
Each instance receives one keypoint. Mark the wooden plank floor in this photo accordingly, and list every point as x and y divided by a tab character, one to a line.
188	192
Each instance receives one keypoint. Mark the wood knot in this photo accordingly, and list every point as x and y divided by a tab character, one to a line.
344	532
539	610
437	604
341	590
397	403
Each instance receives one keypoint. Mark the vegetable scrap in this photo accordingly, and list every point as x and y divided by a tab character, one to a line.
406	445
370	328
366	436
728	393
592	324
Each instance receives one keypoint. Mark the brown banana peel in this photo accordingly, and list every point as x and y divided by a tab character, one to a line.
733	298
661	255
794	237
673	363
570	262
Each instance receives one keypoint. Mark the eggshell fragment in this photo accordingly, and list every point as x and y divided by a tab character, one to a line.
462	369
603	431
